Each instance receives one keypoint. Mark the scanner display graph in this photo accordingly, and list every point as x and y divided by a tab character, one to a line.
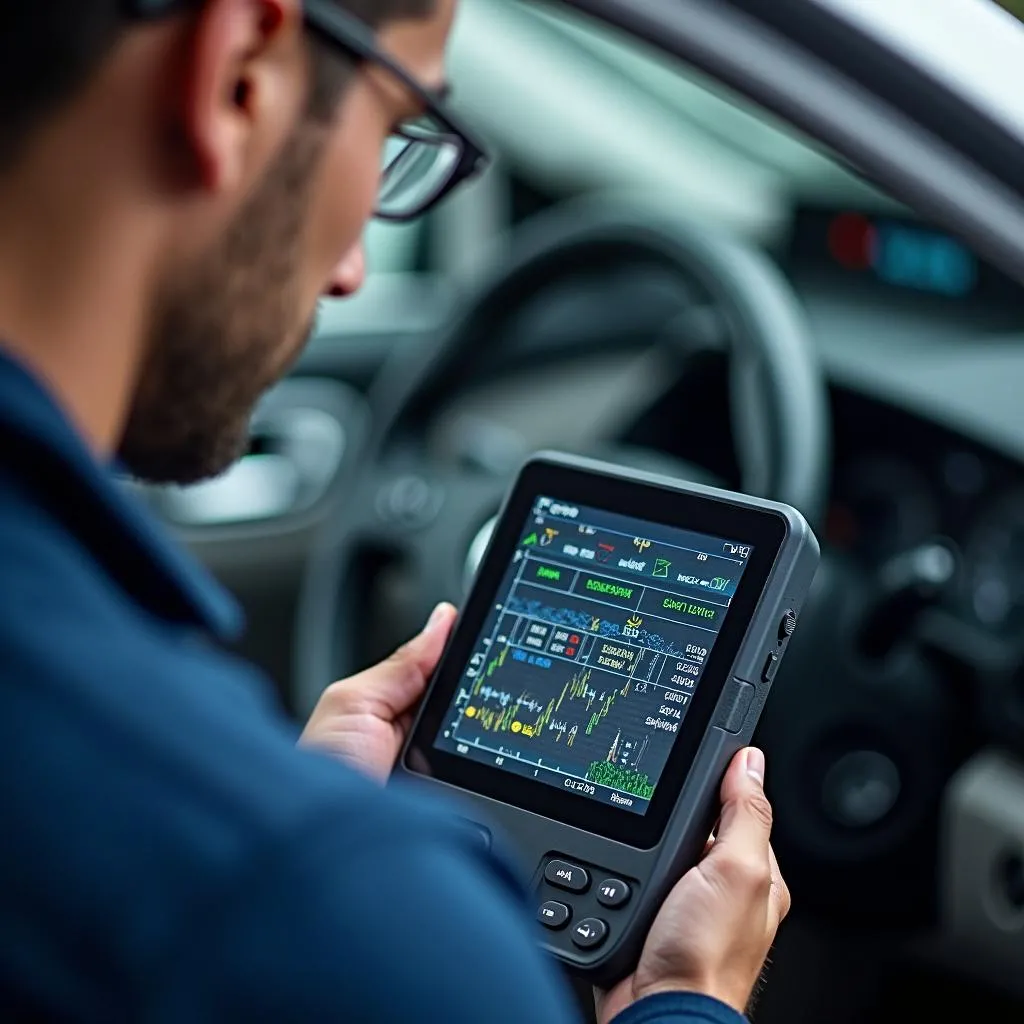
589	724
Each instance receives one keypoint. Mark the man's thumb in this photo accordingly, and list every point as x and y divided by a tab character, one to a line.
746	814
398	681
424	650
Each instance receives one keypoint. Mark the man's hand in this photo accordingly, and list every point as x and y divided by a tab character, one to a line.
364	720
714	931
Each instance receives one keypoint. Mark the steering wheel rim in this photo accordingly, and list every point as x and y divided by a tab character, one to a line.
778	402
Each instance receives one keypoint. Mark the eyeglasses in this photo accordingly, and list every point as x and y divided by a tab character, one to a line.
427	157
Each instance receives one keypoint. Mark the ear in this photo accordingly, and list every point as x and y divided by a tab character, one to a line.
243	86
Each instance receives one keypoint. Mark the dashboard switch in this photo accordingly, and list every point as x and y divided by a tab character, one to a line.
771	666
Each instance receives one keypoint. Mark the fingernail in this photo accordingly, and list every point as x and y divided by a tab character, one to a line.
755	765
437	616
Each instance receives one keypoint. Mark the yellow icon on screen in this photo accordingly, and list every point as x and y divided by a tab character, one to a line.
471	712
517	726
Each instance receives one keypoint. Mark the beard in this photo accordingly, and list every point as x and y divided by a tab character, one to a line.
224	331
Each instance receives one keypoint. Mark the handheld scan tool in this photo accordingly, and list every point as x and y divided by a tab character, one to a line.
615	652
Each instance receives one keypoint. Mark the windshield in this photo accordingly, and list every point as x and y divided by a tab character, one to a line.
671	128
716	122
597	110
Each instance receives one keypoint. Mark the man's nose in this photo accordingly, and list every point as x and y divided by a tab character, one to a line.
348	274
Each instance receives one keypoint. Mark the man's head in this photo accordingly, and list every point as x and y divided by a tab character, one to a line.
256	149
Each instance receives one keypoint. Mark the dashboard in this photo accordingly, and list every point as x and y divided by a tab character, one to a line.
919	340
925	366
888	255
902	481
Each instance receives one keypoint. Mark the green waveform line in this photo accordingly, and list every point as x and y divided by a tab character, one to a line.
576	688
492	666
506	720
495	663
607	703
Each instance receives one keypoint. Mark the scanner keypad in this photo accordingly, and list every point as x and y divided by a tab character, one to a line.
592	900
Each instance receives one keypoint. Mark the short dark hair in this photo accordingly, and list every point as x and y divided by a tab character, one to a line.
50	48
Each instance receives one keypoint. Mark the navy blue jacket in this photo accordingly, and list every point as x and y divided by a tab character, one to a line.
167	853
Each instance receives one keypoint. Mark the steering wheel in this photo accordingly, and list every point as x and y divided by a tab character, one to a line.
395	505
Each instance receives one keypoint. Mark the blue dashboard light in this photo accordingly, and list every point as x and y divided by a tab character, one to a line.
924	260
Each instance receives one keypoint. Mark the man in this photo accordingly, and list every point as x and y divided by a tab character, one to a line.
177	184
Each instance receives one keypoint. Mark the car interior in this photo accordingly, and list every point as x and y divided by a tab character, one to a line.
657	272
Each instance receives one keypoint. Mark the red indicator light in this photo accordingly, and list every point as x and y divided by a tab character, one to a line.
851	241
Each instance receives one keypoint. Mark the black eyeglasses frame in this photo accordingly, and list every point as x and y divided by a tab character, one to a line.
348	33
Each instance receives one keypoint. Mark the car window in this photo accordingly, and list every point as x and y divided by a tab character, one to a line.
706	110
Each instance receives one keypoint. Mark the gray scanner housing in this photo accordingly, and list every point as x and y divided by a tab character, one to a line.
533	840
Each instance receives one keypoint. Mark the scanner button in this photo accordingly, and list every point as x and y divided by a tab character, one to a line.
613	892
771	666
736	715
787	627
567	876
590	932
554	914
